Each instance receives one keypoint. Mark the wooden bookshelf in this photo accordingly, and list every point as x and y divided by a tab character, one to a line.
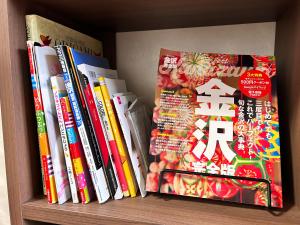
155	210
102	19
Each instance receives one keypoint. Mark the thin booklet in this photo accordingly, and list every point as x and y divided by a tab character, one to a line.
136	126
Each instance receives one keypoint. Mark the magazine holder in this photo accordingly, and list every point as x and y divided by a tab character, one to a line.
261	180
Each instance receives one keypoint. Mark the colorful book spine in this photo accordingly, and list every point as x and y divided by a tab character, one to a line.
84	183
47	66
86	117
59	91
122	102
91	153
98	129
112	141
122	151
46	161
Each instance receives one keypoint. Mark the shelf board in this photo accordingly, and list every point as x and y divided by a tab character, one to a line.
145	15
154	210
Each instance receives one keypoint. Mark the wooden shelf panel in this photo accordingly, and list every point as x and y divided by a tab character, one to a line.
145	15
154	210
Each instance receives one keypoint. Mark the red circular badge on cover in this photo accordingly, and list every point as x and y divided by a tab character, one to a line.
255	84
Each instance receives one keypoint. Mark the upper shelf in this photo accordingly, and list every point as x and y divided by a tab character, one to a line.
119	15
154	210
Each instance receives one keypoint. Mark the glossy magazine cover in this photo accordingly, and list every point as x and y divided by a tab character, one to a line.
216	114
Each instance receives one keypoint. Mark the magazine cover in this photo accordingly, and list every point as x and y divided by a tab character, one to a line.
216	114
47	65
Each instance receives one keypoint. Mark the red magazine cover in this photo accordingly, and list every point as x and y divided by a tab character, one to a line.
216	114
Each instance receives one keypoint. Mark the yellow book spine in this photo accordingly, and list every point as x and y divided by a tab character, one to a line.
125	160
113	145
45	153
31	28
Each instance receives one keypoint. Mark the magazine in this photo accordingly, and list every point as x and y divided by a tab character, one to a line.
216	114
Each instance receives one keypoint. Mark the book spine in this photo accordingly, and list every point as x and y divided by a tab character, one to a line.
46	160
122	151
56	148
135	158
98	129
31	28
57	93
138	167
91	154
38	108
86	118
79	163
112	142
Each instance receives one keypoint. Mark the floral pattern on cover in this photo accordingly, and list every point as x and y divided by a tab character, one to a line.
253	144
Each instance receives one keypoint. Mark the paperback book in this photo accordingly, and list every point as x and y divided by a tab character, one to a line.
108	88
103	113
80	58
86	134
44	148
49	33
87	78
216	114
47	66
83	177
122	102
59	91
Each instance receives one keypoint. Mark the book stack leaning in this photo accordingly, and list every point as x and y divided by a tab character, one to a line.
88	141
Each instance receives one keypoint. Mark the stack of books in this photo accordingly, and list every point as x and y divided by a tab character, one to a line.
89	141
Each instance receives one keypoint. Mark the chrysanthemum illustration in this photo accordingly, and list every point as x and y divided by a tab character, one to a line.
196	64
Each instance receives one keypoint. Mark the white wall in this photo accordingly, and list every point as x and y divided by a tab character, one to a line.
4	210
138	52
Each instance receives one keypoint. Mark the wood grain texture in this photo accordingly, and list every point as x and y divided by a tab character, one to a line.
19	131
119	15
154	210
288	54
20	139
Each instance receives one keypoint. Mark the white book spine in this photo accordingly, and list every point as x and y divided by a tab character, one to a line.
119	193
97	174
58	89
47	60
121	105
92	77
